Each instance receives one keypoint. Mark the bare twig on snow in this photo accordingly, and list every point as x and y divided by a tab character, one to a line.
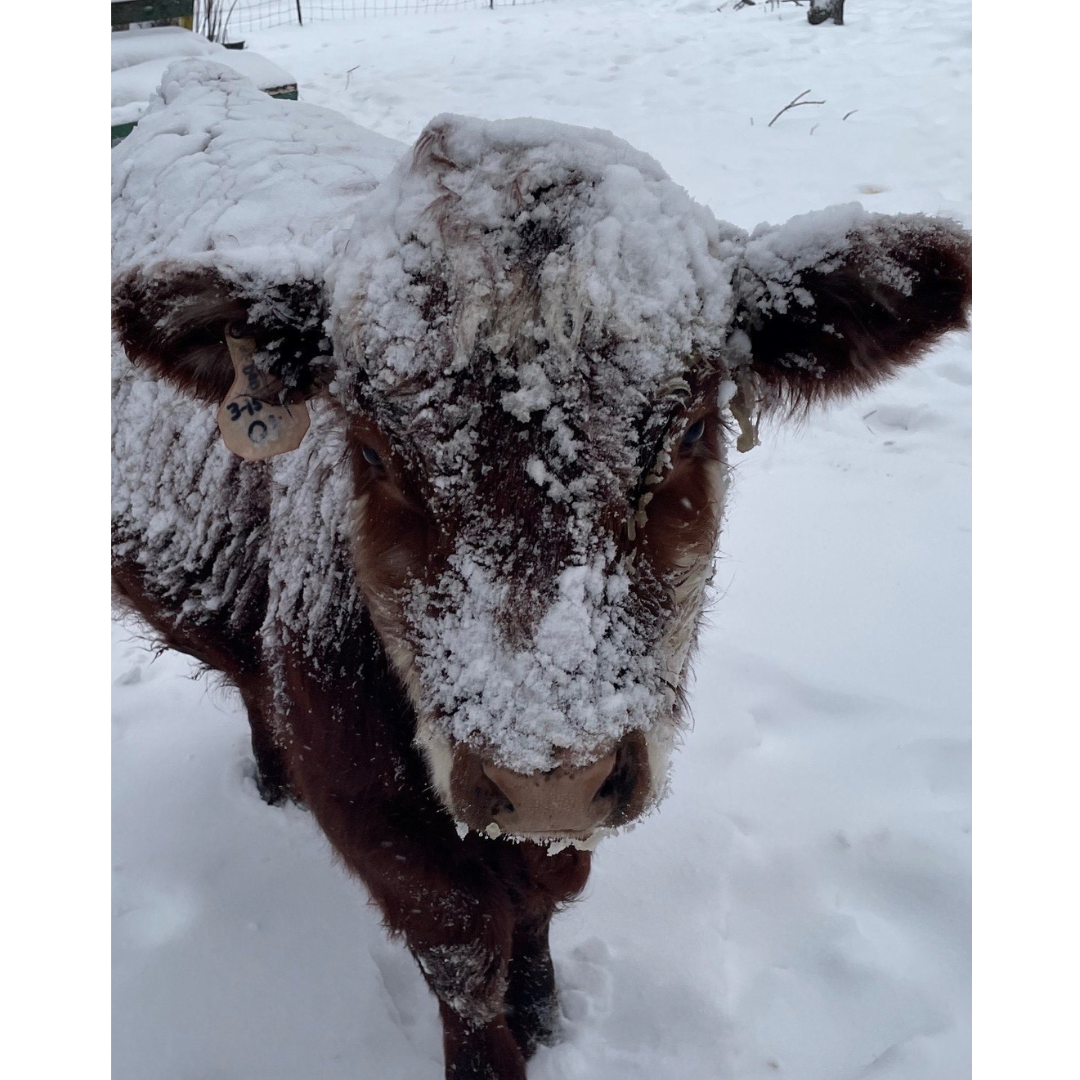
792	104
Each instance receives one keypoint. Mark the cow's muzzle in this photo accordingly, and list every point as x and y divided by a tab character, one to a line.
564	802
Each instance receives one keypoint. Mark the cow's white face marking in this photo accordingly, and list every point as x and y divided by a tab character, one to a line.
385	613
439	757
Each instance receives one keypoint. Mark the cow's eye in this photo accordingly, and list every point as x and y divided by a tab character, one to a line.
694	432
371	456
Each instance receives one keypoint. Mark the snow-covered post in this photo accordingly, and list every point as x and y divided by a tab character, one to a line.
820	10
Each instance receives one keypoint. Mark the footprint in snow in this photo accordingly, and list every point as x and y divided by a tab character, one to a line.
585	984
149	916
903	418
955	372
130	677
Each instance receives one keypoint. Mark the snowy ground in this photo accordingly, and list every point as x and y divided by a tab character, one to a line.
799	907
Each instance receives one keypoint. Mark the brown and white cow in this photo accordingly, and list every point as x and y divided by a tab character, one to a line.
480	402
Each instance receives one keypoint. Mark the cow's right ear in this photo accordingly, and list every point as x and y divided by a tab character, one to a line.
832	303
175	319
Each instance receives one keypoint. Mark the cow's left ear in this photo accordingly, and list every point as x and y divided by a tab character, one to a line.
836	301
253	346
174	317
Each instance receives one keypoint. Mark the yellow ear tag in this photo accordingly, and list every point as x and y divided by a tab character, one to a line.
251	424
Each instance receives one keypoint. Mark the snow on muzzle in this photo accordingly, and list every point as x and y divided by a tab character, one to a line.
558	729
566	802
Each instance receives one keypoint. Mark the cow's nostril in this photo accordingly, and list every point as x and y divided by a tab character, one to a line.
619	784
486	793
610	787
626	786
501	802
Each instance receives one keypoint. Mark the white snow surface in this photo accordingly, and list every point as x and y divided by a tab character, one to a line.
800	906
139	57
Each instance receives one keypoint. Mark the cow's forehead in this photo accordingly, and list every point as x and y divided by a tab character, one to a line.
550	274
572	434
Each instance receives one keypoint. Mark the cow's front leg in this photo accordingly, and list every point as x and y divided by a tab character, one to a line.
532	1006
479	1051
271	772
466	965
546	882
458	922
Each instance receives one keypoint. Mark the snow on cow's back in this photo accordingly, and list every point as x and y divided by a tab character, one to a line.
219	177
217	165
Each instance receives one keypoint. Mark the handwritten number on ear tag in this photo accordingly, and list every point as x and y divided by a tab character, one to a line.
251	425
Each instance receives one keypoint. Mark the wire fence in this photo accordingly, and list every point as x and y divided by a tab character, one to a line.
245	15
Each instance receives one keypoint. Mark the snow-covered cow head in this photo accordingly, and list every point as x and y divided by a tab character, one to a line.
535	346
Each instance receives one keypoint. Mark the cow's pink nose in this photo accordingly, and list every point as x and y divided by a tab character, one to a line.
564	800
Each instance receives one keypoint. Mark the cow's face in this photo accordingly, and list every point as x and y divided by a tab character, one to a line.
537	343
531	344
540	608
